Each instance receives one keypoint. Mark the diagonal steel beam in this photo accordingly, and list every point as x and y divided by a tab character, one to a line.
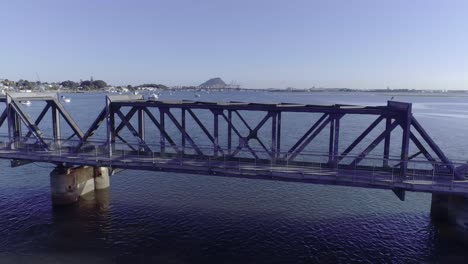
306	134
243	120
29	124
360	138
436	149
73	125
269	151
181	130
4	116
409	158
92	129
39	118
133	130
253	134
252	151
421	147
242	140
128	116
203	128
162	131
430	142
232	125
374	143
303	145
126	142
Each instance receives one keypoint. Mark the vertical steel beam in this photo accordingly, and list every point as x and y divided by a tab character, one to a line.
17	125
215	132
336	142
331	140
10	118
274	131
56	124
110	120
141	123
14	123
162	139
183	128
405	122
278	136
388	123
229	131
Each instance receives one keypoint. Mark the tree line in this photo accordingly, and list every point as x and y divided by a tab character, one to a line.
72	85
85	85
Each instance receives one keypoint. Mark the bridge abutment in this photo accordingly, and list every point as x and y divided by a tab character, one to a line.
68	184
453	209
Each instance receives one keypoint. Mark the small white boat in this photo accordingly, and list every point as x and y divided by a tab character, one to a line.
154	96
197	95
65	99
26	102
135	93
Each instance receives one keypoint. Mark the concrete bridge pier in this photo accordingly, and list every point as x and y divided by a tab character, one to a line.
68	184
452	209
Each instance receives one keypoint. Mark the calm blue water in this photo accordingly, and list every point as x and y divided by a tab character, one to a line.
180	218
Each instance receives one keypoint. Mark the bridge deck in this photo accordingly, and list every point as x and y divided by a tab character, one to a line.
369	177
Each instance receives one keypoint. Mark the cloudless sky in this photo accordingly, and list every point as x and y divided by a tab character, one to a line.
421	44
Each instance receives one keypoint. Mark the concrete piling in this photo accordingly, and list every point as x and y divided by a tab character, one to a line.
68	184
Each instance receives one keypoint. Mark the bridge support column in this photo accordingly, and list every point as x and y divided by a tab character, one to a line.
101	178
451	209
68	184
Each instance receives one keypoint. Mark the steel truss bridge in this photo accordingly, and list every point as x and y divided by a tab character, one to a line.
230	142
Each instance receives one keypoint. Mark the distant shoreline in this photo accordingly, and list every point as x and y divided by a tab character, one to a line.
411	93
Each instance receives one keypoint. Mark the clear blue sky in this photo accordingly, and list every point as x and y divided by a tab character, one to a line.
357	44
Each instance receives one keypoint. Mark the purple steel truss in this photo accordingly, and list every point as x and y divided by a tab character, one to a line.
181	141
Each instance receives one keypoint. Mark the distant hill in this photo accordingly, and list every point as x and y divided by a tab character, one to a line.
213	83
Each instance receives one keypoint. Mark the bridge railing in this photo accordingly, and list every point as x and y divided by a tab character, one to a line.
68	146
307	165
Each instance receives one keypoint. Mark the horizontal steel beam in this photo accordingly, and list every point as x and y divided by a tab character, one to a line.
371	110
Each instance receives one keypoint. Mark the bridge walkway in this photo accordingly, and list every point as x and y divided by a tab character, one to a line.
369	176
